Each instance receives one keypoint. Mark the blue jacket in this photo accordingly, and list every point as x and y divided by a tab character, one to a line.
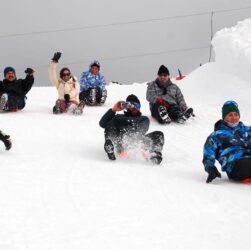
226	145
89	80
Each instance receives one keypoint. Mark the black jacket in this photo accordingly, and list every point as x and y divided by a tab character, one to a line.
18	87
120	124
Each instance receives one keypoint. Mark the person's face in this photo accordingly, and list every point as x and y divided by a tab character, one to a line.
232	117
135	108
94	70
10	76
163	77
66	75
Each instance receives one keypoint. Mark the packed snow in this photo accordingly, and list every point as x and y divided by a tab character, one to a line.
59	191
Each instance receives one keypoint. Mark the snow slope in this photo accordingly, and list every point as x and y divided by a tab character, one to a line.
58	190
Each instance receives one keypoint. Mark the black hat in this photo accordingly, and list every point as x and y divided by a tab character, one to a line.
8	69
163	70
132	98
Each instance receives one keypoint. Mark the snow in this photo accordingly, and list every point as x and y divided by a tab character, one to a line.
58	190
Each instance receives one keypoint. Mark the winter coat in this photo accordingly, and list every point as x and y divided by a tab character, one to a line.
227	145
70	87
170	93
18	88
124	124
89	80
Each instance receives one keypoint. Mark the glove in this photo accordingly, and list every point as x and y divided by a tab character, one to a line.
56	57
212	174
161	101
67	97
29	71
184	108
6	140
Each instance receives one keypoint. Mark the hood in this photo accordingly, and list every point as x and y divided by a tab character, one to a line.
94	62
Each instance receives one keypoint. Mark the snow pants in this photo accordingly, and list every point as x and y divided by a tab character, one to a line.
173	111
241	170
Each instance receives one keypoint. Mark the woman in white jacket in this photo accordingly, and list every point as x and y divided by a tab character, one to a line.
68	89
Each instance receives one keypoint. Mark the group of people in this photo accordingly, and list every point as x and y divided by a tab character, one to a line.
229	144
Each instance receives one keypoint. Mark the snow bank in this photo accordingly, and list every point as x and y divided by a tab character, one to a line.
232	48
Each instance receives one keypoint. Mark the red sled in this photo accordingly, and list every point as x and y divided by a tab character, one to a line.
180	77
246	181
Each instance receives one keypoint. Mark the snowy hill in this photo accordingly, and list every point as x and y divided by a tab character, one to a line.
58	190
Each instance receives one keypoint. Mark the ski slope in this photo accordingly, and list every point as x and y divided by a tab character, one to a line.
58	190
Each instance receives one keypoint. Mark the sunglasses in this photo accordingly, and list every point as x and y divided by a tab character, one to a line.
135	105
66	74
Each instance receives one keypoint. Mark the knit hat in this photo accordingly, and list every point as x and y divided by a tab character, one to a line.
163	70
132	98
228	107
8	69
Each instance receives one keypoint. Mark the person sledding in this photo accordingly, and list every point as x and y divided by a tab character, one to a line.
166	100
6	140
93	86
230	145
68	89
127	131
13	91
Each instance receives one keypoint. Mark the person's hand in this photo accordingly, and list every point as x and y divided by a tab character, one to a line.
184	108
117	106
67	97
161	101
212	174
56	57
29	71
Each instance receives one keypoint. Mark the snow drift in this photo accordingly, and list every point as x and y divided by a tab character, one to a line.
232	48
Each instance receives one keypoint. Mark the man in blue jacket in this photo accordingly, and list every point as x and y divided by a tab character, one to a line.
230	145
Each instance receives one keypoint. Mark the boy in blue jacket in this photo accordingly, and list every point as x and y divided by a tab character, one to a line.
230	145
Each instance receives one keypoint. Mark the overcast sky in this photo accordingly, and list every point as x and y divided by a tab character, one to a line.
127	53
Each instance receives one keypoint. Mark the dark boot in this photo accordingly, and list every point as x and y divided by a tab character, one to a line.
57	109
109	149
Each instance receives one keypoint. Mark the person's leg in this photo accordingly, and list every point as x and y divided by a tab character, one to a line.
154	142
160	113
3	101
85	96
101	95
175	112
241	170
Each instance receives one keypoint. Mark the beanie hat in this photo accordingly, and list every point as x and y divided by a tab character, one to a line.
228	107
163	70
132	98
8	69
62	71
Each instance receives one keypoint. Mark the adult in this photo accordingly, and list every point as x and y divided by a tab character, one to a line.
13	91
166	100
128	131
68	89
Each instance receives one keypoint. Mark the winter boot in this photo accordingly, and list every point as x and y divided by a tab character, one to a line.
188	113
164	115
57	109
3	101
79	109
103	97
92	97
6	140
109	149
156	157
